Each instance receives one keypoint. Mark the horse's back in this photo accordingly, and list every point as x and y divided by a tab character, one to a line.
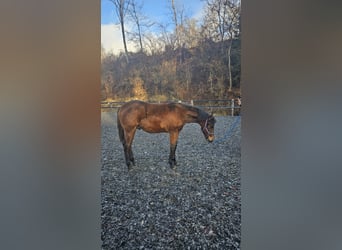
152	117
133	103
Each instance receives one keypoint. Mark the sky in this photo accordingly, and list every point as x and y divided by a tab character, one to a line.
157	10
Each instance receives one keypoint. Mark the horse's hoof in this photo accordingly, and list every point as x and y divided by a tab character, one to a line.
172	163
129	166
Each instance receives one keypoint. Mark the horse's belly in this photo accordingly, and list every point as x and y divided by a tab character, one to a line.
153	127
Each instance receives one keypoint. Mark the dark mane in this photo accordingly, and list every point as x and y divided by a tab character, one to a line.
195	113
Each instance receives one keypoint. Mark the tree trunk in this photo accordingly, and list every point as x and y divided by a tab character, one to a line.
124	39
229	66
176	23
140	40
120	8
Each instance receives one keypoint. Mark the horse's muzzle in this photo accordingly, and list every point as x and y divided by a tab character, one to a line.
210	138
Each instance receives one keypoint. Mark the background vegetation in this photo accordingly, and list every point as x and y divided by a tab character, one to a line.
195	59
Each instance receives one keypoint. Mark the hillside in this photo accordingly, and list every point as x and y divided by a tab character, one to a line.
183	73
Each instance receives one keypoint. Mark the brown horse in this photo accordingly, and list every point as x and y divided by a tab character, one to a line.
158	118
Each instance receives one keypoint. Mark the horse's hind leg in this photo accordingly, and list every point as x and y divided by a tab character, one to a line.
129	135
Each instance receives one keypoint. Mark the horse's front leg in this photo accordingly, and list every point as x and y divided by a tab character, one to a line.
130	153
173	146
127	158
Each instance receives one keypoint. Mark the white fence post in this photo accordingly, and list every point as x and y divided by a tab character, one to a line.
232	106
192	102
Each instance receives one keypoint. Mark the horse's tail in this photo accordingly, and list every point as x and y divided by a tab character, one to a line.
120	128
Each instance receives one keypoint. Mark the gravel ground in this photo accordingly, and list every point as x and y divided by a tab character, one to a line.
197	206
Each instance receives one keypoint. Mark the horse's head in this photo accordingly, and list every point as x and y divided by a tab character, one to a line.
208	128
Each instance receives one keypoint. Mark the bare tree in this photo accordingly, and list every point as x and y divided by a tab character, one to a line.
166	37
175	20
222	23
141	22
153	44
232	29
121	7
191	33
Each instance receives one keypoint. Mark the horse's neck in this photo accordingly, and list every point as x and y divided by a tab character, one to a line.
195	115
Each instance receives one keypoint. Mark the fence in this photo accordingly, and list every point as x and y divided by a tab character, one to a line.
228	107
